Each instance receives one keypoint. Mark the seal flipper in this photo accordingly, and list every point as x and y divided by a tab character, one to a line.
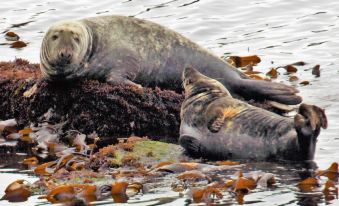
216	123
261	90
316	116
219	112
191	145
117	80
307	124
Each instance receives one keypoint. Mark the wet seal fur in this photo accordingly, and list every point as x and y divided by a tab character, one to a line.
127	50
216	126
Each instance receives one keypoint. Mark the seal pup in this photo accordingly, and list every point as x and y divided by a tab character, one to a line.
127	50
214	125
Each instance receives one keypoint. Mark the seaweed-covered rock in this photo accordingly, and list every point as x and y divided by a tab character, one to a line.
87	106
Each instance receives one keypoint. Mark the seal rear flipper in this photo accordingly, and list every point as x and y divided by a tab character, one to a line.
264	90
316	116
208	149
308	123
191	145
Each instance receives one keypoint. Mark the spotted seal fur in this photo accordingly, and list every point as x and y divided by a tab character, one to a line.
214	125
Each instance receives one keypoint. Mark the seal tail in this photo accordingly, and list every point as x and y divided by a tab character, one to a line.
308	123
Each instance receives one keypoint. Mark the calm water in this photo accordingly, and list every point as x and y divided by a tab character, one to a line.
279	31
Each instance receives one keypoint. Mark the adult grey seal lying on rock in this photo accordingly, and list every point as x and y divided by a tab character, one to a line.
216	126
127	50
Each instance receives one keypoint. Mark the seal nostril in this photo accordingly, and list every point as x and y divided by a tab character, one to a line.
65	55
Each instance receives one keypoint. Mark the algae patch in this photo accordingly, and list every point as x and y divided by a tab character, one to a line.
150	152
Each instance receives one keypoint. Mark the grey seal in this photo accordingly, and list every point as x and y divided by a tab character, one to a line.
128	50
214	125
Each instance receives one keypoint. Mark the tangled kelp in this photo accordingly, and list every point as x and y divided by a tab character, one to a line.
79	172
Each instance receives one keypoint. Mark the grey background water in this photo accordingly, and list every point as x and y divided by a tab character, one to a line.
279	31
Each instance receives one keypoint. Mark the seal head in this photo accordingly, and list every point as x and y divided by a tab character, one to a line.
196	83
64	49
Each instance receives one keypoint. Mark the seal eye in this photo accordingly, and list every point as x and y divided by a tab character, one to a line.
76	39
188	82
54	37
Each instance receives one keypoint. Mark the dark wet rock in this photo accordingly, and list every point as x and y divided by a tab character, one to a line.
87	106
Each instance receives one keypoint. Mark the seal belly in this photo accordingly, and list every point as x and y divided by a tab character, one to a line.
216	126
234	142
255	134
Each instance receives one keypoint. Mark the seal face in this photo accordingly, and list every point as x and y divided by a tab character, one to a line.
64	49
127	50
214	125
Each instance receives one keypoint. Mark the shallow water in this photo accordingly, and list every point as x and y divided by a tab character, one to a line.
280	32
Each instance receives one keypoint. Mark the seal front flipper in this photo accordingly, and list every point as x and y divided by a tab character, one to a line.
118	80
307	124
216	121
264	90
215	124
220	112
